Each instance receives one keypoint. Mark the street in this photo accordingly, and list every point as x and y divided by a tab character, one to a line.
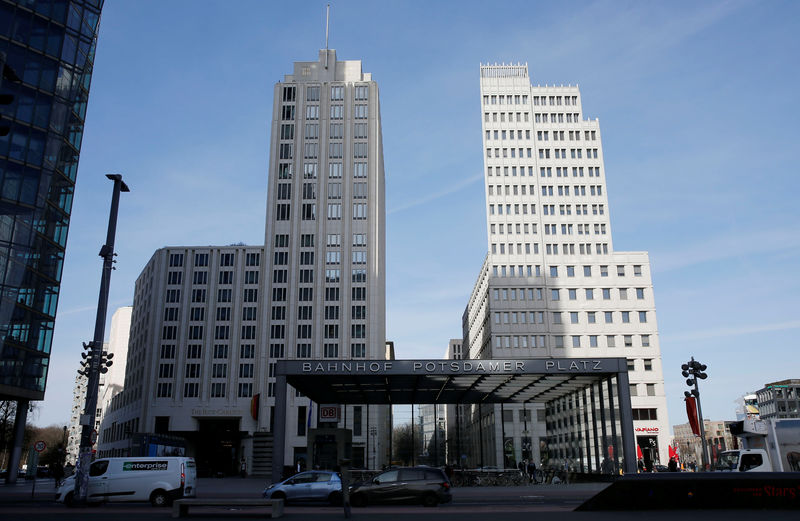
546	502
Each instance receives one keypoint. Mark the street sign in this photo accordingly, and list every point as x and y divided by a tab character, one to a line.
93	437
39	446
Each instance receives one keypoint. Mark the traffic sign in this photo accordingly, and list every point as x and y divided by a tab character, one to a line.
93	437
39	446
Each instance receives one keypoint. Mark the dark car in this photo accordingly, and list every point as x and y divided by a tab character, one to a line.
317	485
661	468
426	485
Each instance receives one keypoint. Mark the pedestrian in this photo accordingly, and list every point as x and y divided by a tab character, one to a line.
344	466
640	466
243	468
57	472
672	466
532	471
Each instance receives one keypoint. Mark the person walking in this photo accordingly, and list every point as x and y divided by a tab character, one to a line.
532	471
57	472
672	466
344	466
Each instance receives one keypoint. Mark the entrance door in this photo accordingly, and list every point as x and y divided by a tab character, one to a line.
217	441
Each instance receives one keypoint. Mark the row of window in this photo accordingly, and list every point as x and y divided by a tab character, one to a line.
561	117
558	317
331	294
192	390
223	313
173	296
559	341
304	312
546	190
555	294
335	150
201	259
511	117
517	99
536	270
577	171
307	240
194	370
201	277
196	332
284	191
194	351
562	135
360	92
308	211
334	170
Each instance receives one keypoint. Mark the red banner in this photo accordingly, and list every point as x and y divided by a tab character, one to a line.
691	412
254	406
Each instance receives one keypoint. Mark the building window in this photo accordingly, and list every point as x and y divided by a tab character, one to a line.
218	390
643	317
651	389
358	350
245	389
164	390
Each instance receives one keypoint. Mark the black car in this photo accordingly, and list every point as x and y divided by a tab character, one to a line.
426	485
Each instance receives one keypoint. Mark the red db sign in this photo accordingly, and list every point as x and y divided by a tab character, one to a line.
329	413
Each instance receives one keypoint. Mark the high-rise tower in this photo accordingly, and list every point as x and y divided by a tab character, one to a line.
47	54
325	233
552	284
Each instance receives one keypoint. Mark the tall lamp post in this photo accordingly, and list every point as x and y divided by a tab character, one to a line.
95	360
694	371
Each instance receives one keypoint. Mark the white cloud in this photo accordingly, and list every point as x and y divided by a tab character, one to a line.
422	200
727	246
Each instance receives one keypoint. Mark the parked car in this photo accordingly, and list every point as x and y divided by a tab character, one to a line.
427	485
661	468
156	479
316	485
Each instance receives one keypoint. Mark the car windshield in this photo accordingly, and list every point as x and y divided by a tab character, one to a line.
728	461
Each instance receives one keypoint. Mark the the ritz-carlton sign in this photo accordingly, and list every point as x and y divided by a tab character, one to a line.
447	367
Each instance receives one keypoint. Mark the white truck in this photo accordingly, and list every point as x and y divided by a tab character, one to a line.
767	446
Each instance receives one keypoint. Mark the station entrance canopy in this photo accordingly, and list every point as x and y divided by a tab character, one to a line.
598	382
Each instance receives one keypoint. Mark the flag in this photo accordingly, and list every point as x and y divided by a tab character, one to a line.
254	406
639	452
691	412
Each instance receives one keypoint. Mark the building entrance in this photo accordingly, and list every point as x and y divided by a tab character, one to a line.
587	401
217	445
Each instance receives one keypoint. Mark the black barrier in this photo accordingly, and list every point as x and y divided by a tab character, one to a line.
713	490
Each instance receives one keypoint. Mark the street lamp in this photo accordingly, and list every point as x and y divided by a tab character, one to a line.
694	371
95	360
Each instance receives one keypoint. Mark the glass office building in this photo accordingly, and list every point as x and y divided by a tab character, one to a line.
49	45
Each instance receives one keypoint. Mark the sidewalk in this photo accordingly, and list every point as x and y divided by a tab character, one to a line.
206	487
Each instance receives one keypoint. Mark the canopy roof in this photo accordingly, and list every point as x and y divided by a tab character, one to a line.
445	381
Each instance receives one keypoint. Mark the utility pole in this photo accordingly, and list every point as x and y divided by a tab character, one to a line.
96	360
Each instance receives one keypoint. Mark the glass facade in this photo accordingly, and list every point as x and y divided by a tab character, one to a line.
50	46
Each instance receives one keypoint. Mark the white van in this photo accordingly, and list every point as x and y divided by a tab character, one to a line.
158	480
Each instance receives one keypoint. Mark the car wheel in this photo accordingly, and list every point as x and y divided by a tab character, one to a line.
159	498
430	500
358	500
69	499
335	498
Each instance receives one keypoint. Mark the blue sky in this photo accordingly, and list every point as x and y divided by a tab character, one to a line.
697	107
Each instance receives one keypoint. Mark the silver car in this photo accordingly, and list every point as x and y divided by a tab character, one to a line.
315	485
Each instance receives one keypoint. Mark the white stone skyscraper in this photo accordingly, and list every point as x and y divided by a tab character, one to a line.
552	284
325	233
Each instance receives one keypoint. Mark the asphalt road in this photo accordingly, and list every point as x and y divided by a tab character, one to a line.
544	502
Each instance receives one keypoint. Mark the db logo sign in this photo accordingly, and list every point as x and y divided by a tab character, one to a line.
329	413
